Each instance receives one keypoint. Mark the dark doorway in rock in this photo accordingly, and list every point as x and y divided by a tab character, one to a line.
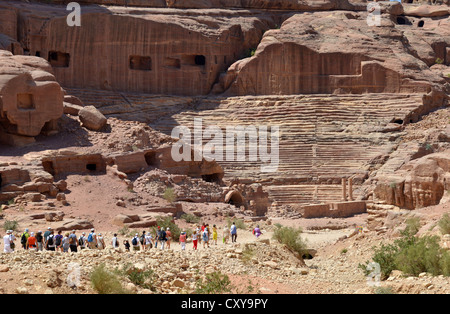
150	159
91	167
235	199
401	20
59	59
48	166
215	177
421	24
200	60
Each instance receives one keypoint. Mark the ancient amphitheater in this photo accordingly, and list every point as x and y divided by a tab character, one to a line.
348	83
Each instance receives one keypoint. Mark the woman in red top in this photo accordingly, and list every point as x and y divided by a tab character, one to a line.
31	242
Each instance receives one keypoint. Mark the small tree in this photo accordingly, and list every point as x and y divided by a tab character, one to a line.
444	224
170	195
106	282
214	283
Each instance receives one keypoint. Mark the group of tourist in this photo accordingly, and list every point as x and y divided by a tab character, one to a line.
69	241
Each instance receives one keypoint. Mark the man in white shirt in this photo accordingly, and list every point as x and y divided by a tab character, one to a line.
7	240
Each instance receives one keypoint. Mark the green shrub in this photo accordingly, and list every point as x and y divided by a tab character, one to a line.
444	224
247	254
190	218
106	282
421	256
412	226
291	238
385	257
412	255
214	283
10	225
167	222
142	278
170	195
240	224
439	61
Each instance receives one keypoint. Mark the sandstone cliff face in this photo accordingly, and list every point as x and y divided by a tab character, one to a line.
420	183
171	47
30	97
338	52
139	50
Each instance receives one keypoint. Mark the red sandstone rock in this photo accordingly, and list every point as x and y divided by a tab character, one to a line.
30	97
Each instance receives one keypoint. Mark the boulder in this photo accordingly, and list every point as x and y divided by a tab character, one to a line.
92	118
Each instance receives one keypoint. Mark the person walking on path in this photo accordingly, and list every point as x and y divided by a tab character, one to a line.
100	242
40	241
226	234
257	232
233	232
142	240
115	241
148	241
163	238
135	242
65	243
214	234
168	237
205	238
46	234
8	242
31	242
157	236
82	241
73	242
183	240
195	239
58	241
23	239
50	242
92	240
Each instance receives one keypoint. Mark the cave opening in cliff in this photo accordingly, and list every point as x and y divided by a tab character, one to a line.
150	159
213	178
59	59
91	167
48	166
25	102
398	121
421	24
140	63
194	60
200	60
401	20
235	199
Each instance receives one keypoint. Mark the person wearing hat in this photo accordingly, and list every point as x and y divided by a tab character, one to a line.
92	239
183	240
24	238
8	242
82	241
135	242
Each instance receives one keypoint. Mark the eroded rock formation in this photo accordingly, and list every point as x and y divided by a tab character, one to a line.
30	97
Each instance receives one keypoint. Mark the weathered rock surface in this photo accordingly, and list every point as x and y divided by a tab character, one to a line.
30	97
420	183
